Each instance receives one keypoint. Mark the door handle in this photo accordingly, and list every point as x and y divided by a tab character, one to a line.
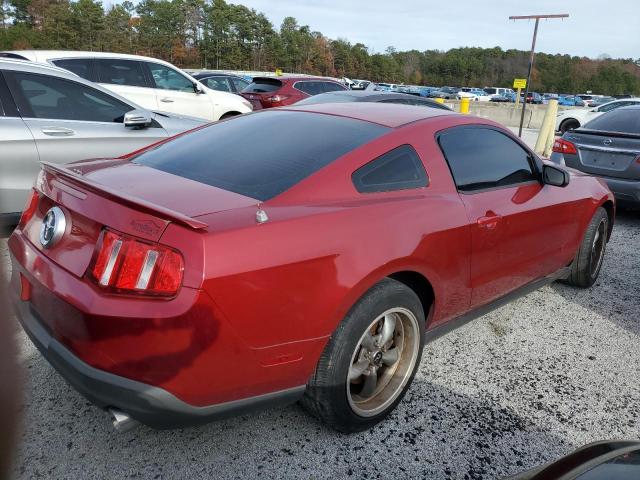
489	221
57	131
166	100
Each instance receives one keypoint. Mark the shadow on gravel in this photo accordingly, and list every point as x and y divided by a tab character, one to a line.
435	433
615	294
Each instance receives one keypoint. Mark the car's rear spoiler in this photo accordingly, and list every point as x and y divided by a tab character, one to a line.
124	198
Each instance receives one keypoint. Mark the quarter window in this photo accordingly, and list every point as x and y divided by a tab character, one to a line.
399	169
481	158
218	83
42	96
79	66
120	72
167	78
239	84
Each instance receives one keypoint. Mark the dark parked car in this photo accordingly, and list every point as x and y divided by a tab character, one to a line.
534	97
608	147
266	92
372	96
612	460
223	82
300	253
449	93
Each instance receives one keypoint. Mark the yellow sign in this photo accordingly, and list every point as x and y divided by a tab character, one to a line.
519	83
278	72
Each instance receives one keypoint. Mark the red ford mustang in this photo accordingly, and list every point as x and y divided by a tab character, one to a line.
301	253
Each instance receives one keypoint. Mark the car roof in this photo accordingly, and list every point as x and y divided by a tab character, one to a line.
46	55
29	66
387	114
202	75
290	78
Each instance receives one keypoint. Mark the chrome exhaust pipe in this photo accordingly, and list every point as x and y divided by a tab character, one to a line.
122	422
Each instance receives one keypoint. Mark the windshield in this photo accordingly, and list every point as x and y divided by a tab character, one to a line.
284	148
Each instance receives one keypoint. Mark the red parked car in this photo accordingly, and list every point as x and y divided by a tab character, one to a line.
266	92
208	275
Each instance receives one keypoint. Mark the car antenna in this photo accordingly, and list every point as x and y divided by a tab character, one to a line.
261	215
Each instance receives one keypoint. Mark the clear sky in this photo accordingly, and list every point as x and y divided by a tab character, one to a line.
595	27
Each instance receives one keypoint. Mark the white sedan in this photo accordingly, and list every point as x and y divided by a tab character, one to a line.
573	118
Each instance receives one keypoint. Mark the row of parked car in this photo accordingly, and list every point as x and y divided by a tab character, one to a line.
62	106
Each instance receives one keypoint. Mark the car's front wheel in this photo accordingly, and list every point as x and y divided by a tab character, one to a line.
370	360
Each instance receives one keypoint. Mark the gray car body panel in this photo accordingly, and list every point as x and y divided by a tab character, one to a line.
24	143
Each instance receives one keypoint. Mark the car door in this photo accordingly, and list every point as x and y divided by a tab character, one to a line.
522	229
19	158
176	93
71	121
127	78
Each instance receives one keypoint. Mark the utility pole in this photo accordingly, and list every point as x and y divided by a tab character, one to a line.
533	54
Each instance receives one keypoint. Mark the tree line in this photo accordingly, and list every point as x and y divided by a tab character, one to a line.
215	34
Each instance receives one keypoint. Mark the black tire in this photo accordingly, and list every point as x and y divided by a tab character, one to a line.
569	124
229	115
588	262
329	396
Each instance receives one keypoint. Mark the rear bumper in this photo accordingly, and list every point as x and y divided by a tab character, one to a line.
148	404
625	191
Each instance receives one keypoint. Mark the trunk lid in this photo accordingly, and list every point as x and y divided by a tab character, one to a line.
605	154
130	198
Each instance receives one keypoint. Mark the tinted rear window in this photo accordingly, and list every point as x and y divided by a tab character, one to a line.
79	66
263	154
263	85
624	119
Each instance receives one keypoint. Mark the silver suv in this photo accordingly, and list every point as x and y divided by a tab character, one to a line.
50	114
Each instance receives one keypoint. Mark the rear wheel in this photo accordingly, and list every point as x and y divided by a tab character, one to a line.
229	115
569	124
370	360
587	264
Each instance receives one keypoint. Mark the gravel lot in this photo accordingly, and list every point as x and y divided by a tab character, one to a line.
520	386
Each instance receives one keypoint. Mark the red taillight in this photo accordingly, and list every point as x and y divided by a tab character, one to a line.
124	264
277	98
563	146
29	208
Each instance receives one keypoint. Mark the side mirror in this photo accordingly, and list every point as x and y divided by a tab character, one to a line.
137	119
198	89
555	176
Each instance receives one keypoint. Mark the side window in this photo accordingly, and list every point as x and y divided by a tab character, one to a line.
239	84
482	158
7	106
42	96
166	78
218	83
399	169
310	88
79	66
331	87
120	72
